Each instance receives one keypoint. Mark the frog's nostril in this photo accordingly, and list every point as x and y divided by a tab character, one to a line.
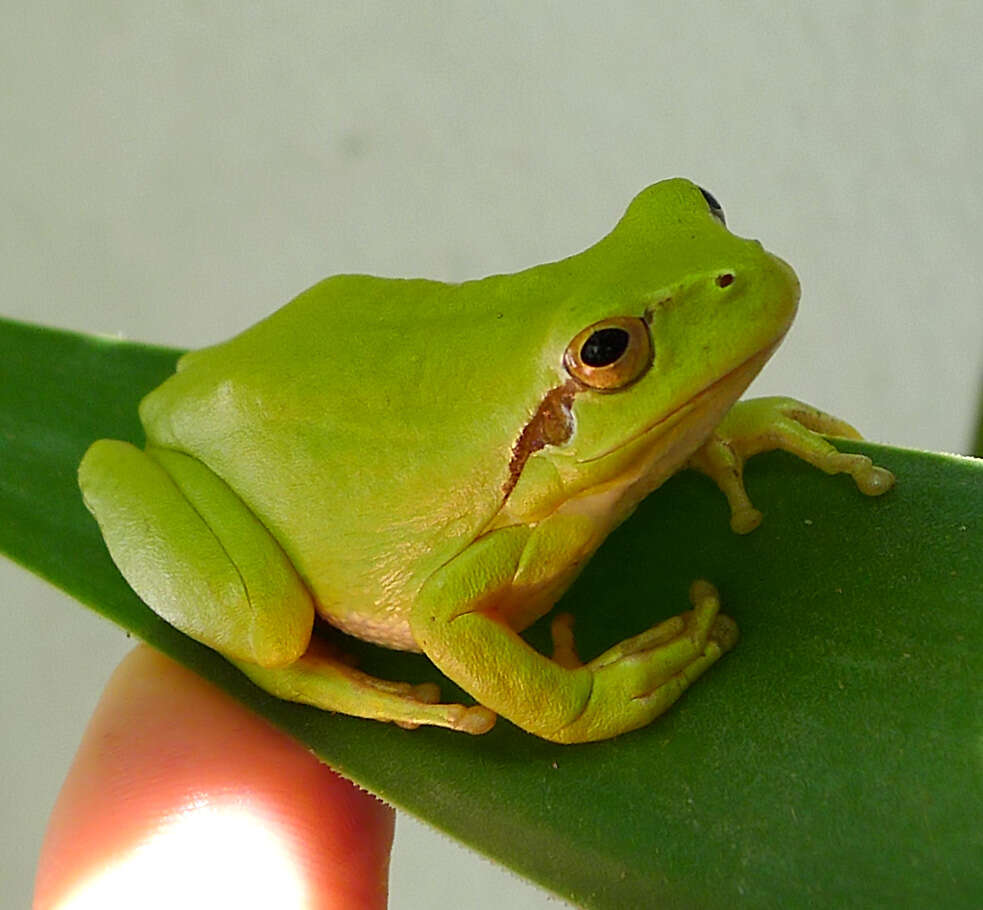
725	280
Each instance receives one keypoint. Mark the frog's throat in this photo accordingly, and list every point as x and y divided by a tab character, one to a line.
644	462
725	390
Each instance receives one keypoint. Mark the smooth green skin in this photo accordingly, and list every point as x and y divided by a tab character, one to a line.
349	456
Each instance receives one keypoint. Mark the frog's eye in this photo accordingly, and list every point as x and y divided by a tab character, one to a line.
715	208
610	354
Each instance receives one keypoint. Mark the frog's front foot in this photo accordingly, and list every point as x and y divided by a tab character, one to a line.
641	677
762	424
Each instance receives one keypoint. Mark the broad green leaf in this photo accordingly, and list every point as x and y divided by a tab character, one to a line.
835	758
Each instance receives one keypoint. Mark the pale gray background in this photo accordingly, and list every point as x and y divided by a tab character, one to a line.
174	171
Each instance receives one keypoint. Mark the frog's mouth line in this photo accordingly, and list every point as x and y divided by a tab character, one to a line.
741	375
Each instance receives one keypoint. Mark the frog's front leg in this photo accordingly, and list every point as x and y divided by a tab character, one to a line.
461	620
762	424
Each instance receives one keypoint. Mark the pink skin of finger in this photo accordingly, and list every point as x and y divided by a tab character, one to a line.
179	794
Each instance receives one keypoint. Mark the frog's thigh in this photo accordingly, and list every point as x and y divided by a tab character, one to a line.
196	554
324	680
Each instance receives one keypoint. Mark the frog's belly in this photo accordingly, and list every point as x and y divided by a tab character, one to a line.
391	630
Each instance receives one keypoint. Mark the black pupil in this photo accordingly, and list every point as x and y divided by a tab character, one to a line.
604	347
714	205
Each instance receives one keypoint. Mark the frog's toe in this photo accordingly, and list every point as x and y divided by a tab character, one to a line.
476	719
724	632
872	480
743	520
564	647
655	637
428	693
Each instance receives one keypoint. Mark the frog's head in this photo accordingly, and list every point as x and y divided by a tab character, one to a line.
660	328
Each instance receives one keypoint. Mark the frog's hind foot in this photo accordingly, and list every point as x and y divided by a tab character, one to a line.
322	678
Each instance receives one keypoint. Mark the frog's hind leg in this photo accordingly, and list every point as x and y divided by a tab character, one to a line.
199	557
324	679
195	553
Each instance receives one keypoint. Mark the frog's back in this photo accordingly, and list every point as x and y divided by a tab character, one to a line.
368	424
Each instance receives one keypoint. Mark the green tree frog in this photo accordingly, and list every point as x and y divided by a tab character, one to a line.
428	466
